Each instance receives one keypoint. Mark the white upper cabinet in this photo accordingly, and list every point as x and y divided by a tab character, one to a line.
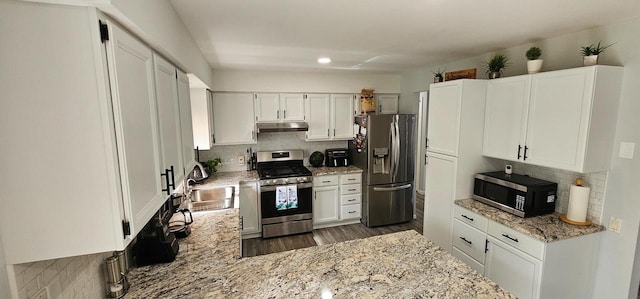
342	116
94	111
505	117
166	84
570	120
267	106
387	103
292	106
201	118
186	124
317	111
274	107
330	117
233	119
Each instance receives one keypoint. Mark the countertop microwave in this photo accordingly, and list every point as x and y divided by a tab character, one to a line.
520	195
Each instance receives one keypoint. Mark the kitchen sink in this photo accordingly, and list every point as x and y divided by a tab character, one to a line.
211	199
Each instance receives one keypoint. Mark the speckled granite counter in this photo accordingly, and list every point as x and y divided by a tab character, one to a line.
228	178
546	228
323	170
399	265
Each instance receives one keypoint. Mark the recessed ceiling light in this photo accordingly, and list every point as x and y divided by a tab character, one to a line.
324	60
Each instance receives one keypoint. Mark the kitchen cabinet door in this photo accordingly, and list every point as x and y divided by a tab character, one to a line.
326	204
267	106
166	85
342	117
387	103
292	106
559	113
233	119
186	123
443	126
506	117
249	208
440	190
201	118
513	270
136	124
317	113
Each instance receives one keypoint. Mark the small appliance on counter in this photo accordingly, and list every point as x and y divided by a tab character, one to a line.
198	173
156	243
180	222
117	268
337	157
520	195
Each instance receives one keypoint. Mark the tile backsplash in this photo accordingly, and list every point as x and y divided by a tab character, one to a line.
596	180
267	142
72	277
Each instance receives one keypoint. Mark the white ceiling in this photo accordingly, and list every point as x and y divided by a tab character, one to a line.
379	35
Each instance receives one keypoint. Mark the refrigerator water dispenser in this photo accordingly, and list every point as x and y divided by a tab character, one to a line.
381	160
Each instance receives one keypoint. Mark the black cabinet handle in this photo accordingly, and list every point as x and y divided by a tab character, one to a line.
519	148
351	212
467	241
467	217
166	181
525	152
173	179
510	238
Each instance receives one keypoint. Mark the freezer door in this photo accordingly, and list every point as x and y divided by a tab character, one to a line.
390	149
389	204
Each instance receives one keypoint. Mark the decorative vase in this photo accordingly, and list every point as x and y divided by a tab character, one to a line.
534	66
494	75
590	60
438	79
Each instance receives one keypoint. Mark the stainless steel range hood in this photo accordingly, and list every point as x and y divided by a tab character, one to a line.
282	127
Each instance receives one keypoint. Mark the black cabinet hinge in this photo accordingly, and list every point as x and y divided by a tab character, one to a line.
104	32
126	228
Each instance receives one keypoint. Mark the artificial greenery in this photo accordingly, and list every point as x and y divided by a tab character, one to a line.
533	53
496	63
594	50
213	164
439	73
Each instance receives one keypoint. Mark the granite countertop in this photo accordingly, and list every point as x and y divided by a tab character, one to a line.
230	178
401	265
324	170
546	228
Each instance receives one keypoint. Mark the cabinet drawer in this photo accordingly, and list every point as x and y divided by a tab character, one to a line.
326	180
350	199
351	189
351	178
350	212
469	240
476	220
468	260
517	239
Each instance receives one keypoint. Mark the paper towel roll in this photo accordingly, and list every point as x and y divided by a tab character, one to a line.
578	203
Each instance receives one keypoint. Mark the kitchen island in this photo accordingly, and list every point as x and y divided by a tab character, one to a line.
401	265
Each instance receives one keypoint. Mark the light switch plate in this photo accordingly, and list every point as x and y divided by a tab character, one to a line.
626	150
615	224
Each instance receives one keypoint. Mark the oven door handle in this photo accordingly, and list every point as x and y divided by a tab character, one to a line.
406	186
273	188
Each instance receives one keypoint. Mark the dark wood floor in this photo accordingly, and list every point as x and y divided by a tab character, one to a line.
259	246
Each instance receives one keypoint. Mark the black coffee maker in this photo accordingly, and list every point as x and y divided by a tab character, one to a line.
156	243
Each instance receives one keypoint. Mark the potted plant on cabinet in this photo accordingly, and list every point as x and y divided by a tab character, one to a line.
591	53
534	63
438	76
495	64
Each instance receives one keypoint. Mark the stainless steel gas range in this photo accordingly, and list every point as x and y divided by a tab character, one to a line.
286	198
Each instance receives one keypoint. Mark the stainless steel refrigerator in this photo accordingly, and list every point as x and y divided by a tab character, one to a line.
383	147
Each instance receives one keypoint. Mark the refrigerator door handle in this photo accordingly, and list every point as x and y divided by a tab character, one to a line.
406	186
397	149
392	140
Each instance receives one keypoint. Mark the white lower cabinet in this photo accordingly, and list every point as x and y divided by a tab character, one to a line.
512	269
250	208
337	199
524	266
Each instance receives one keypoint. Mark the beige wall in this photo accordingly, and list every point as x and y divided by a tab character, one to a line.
313	81
617	277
